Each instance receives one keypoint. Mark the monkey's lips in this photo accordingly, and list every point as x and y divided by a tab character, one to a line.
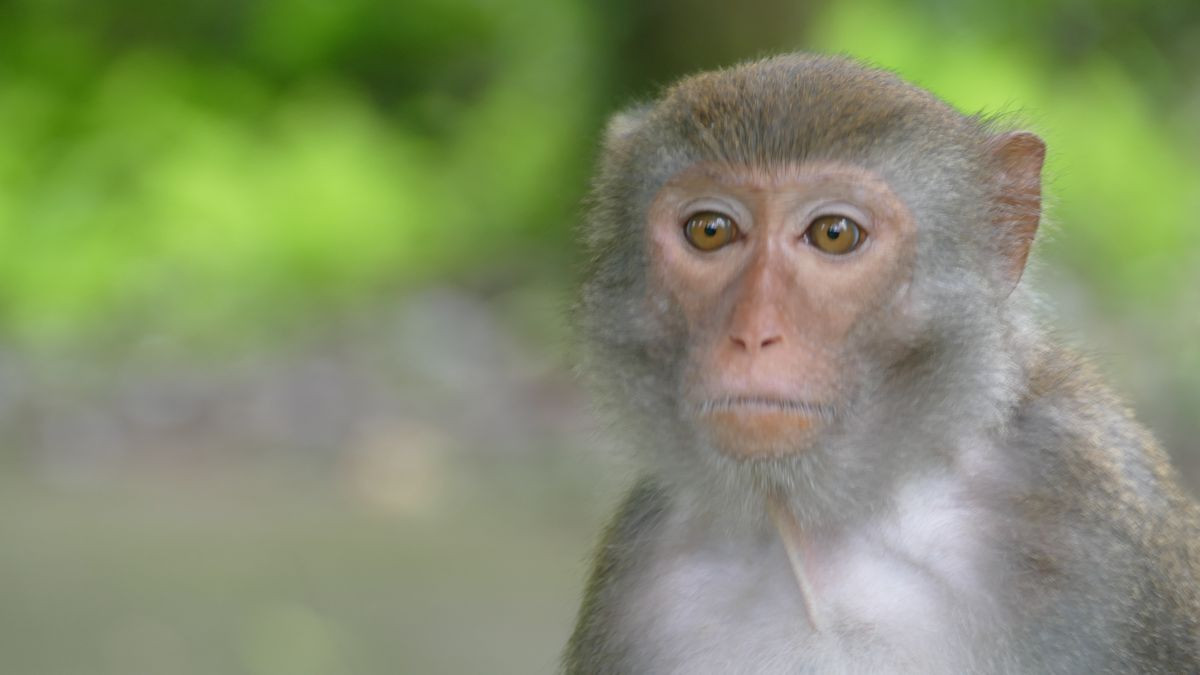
747	427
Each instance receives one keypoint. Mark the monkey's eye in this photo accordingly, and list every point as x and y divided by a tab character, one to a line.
835	234
709	231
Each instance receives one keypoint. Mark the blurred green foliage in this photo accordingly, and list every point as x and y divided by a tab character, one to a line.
203	169
213	171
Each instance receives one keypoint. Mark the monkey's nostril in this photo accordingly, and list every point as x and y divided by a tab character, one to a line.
759	343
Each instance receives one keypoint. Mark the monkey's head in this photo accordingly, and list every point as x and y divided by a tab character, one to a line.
791	263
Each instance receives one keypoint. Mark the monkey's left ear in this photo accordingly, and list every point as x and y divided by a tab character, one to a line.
1017	201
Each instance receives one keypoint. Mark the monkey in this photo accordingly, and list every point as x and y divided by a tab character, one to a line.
804	304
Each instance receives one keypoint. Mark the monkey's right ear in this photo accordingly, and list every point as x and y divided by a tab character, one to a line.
625	124
1018	158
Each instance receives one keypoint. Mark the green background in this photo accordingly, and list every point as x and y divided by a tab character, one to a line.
284	379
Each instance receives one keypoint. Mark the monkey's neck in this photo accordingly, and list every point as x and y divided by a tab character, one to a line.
794	543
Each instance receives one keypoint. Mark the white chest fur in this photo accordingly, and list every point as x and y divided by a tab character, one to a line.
900	594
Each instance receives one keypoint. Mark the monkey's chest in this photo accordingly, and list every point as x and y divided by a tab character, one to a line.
721	609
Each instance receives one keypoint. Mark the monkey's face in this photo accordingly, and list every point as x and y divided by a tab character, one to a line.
777	274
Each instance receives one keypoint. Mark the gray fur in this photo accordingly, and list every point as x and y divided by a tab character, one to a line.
1090	547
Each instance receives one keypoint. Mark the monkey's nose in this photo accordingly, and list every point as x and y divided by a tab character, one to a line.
755	343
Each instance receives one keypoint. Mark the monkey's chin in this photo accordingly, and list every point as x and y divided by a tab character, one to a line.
750	433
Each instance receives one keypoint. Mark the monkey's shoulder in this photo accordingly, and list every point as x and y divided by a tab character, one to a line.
1103	534
617	558
669	595
1075	438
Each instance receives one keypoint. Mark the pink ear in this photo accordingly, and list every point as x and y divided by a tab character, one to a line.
1017	157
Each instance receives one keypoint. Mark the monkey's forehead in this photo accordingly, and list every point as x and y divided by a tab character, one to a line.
797	107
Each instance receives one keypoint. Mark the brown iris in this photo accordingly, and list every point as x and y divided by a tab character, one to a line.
709	231
835	234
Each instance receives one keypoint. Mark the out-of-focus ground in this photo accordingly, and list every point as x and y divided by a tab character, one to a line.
285	375
449	490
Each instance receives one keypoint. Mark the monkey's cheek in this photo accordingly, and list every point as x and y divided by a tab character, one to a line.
745	434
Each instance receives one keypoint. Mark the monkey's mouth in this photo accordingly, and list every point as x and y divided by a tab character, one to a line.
766	405
762	427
